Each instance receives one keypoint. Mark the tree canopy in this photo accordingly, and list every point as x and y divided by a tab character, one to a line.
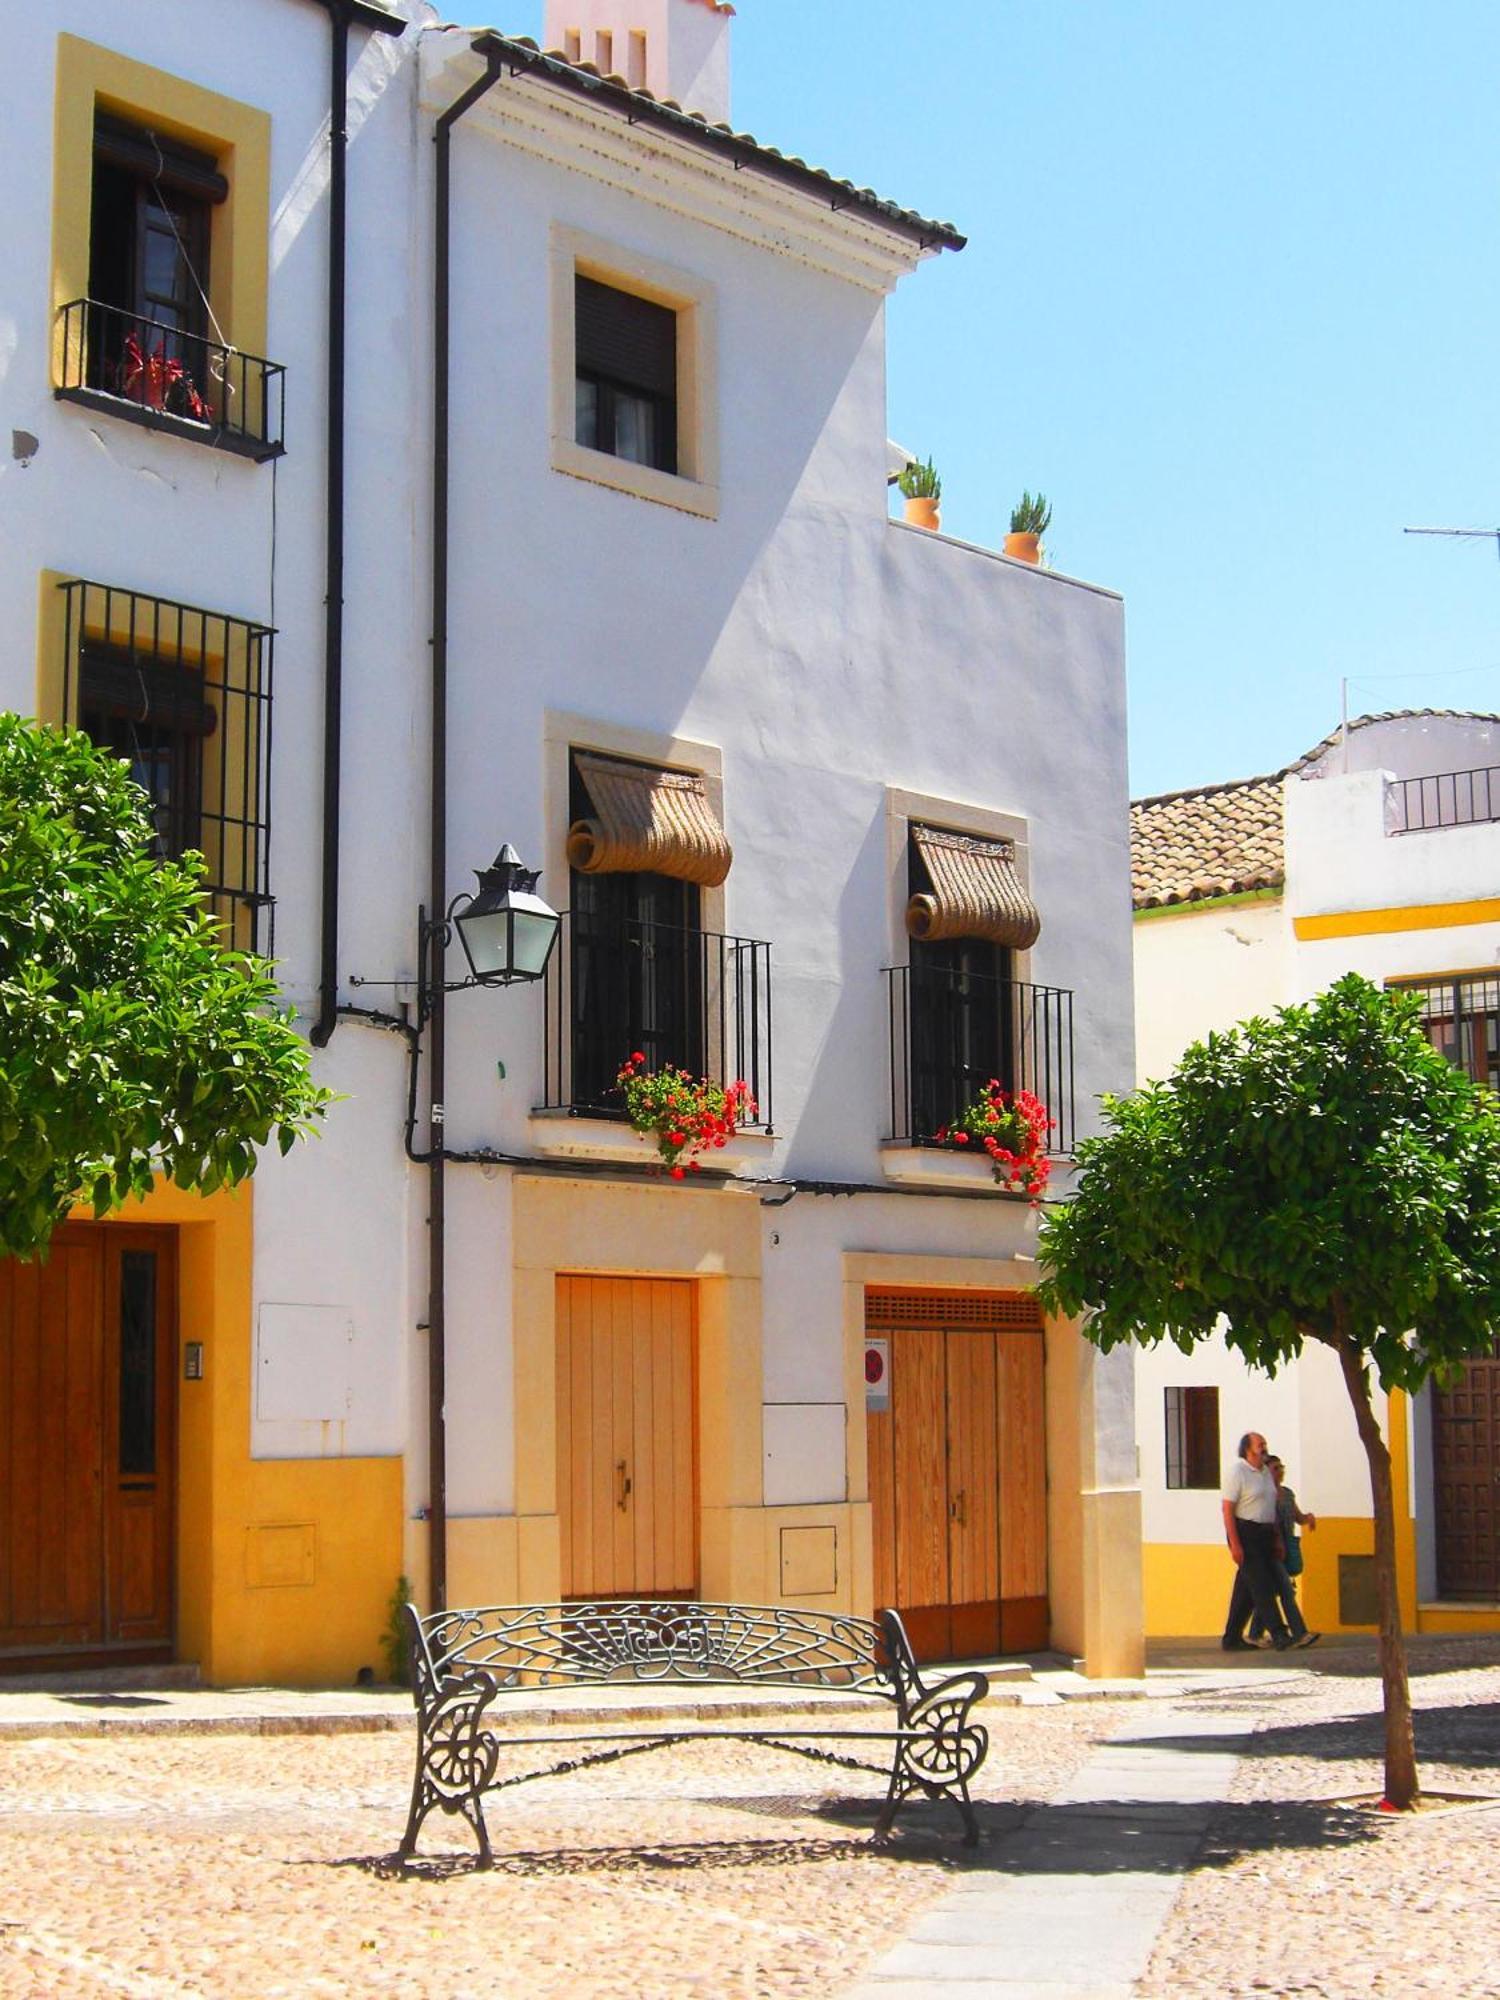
132	1040
1319	1174
1324	1174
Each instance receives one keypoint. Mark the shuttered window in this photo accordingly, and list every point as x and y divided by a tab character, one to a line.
1192	1422
626	370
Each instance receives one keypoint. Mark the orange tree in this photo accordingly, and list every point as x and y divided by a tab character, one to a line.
132	1042
1322	1175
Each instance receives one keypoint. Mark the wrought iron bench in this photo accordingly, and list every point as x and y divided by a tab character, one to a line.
463	1661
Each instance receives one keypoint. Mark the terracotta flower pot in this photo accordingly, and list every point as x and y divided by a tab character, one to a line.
1025	548
923	513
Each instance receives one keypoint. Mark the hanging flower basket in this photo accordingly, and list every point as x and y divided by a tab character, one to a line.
685	1115
1013	1130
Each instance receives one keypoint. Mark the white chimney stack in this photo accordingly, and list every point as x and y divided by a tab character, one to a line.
673	48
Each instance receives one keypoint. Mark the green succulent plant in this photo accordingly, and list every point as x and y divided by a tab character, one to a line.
1031	515
919	481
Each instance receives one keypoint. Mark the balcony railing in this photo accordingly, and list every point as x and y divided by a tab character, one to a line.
170	380
691	999
1449	798
951	1032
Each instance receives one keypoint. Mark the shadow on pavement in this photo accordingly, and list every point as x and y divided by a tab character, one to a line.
1114	1838
1465	1733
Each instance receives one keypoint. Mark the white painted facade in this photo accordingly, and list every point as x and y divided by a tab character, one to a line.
1401	905
825	658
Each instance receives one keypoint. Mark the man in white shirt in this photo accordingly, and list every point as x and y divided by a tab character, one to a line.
1249	1501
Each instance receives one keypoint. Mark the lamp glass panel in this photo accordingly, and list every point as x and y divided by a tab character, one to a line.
534	937
486	942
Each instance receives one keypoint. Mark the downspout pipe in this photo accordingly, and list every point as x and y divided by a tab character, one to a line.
341	15
435	934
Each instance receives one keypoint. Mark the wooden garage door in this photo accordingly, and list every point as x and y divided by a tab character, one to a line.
626	1437
87	1382
958	1473
1466	1478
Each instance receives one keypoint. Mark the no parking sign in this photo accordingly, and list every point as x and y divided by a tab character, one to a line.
877	1374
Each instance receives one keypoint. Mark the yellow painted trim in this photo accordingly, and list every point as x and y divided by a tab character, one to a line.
1408	917
240	1618
239	137
695	488
1458	1617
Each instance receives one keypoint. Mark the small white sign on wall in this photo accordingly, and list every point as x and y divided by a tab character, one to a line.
877	1374
304	1363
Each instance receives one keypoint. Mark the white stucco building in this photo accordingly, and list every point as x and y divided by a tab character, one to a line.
1378	852
658	630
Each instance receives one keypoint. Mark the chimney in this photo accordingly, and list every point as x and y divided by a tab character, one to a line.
673	48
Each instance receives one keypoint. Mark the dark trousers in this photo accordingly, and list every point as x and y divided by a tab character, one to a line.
1286	1597
1255	1583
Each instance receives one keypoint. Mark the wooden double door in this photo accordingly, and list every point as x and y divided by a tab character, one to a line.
87	1447
627	1468
1466	1481
958	1482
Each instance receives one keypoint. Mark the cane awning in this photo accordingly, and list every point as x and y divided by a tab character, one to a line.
648	820
977	891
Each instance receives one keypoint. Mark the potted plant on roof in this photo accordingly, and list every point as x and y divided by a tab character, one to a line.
922	490
1030	519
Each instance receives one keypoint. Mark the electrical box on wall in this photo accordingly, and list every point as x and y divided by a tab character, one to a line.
304	1363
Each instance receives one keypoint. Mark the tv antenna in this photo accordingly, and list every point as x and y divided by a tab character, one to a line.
1461	534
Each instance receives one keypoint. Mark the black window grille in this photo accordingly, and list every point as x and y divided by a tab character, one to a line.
626	375
1193	1438
953	1028
1461	1018
183	696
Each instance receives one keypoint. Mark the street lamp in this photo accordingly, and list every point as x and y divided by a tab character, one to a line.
506	930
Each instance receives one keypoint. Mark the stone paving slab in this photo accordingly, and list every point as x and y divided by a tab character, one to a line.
1070	1898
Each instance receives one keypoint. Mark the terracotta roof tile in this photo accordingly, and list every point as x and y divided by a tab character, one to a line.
1221	840
1224	840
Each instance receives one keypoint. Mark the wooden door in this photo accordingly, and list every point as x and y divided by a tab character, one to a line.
1466	1482
87	1380
627	1437
958	1473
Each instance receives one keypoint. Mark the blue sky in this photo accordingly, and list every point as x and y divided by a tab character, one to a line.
1231	298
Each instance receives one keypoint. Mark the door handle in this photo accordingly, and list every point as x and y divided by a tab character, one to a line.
622	1470
956	1509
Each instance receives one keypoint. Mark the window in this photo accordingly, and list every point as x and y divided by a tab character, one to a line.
633	374
161	210
1461	1018
627	375
959	1013
1193	1439
638	971
182	696
148	267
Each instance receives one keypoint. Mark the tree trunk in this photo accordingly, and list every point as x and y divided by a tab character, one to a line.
1400	1746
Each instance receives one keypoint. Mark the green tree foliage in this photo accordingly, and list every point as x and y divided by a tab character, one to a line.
1323	1175
132	1041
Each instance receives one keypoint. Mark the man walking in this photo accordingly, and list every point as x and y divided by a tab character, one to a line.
1249	1499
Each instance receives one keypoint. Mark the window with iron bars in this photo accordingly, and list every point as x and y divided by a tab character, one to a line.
183	696
1461	1018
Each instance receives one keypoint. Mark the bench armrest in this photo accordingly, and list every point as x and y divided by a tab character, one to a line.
957	1694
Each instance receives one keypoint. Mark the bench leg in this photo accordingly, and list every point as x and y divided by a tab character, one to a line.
905	1780
424	1796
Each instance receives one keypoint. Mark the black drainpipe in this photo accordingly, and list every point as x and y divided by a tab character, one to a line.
437	1437
341	14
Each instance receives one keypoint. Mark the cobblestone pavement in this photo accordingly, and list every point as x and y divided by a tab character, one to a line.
241	1868
1293	1895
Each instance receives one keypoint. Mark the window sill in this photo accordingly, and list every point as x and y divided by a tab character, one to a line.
644	482
562	1134
238	443
939	1167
